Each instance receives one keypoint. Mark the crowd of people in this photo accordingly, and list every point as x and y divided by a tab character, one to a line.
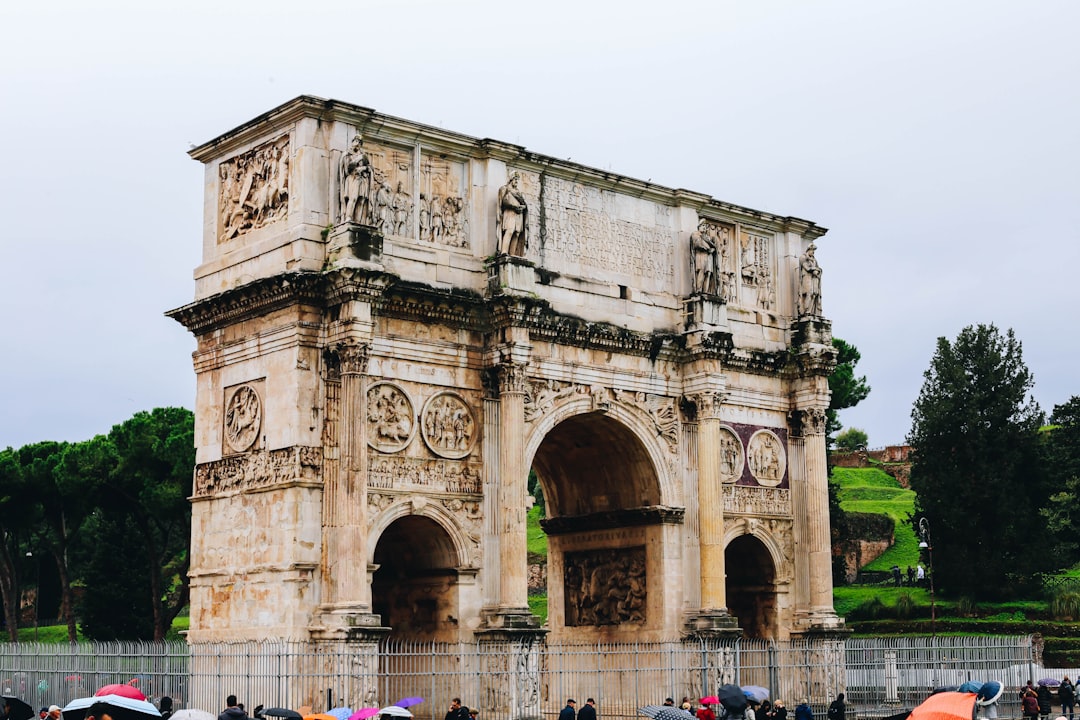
1037	702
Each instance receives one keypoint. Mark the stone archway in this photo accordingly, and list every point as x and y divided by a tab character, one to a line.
606	527
414	589
751	586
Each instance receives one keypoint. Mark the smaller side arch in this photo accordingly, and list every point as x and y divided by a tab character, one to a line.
406	507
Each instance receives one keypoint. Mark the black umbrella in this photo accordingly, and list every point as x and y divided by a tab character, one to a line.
17	709
282	713
732	698
663	712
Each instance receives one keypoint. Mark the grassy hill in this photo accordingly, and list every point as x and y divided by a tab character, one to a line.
872	490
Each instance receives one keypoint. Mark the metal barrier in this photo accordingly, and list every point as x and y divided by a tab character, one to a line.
881	676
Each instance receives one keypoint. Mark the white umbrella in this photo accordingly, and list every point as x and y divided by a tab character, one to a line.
76	709
395	711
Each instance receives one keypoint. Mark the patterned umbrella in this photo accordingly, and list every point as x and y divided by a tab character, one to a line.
341	713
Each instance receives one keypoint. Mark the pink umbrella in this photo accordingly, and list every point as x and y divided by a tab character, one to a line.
364	713
122	690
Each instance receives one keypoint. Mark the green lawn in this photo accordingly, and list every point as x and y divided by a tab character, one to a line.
870	490
536	539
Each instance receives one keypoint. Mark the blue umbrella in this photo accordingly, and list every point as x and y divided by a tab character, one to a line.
341	713
971	686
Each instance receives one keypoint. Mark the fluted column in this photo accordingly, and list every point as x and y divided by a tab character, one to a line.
513	487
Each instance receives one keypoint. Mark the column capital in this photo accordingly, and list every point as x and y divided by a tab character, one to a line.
506	378
353	357
807	421
707	404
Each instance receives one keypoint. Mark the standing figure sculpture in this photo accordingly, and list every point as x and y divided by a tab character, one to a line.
809	284
511	219
703	259
354	176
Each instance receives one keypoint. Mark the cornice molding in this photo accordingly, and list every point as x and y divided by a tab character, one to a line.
250	300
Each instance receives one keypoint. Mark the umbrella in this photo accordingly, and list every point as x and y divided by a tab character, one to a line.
363	713
409	701
756	693
1050	682
122	690
971	686
902	715
395	711
341	713
663	712
193	714
320	716
732	698
946	706
20	710
989	692
76	709
710	700
283	713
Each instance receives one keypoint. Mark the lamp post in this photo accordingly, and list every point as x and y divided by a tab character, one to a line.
37	589
926	544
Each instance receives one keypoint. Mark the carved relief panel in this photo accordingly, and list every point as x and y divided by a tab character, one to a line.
757	276
390	418
448	426
254	189
392	189
766	458
605	587
242	420
731	456
443	202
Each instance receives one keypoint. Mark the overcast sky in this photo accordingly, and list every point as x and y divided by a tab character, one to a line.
938	142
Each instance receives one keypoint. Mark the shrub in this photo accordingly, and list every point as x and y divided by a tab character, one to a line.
1065	605
871	609
905	606
966	607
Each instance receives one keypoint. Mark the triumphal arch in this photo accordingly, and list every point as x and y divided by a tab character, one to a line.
397	323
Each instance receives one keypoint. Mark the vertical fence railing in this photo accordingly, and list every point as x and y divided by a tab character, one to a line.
881	676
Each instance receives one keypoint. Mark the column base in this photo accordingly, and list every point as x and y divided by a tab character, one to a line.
513	620
347	625
821	625
713	624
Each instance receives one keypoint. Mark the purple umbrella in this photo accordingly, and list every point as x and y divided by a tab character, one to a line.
1050	682
409	701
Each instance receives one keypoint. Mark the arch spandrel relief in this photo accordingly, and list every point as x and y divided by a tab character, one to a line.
243	419
253	189
766	458
390	418
448	427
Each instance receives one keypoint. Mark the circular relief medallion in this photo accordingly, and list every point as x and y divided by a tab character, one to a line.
731	456
766	457
448	426
243	418
390	418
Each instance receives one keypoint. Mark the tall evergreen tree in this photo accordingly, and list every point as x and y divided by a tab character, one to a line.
847	389
975	469
1061	445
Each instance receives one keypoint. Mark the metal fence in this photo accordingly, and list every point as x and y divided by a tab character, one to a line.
880	675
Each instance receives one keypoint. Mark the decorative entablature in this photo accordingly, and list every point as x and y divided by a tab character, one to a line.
653	515
254	299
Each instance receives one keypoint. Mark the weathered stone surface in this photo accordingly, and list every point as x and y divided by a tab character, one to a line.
395	323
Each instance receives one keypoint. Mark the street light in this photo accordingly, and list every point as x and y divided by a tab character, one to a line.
37	590
925	544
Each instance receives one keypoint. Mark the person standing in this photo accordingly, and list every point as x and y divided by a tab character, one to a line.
588	710
1067	696
1046	700
837	708
803	711
568	712
165	707
1030	703
457	711
232	710
779	711
705	712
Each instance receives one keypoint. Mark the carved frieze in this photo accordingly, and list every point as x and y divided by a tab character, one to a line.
442	212
470	516
402	473
766	457
731	456
254	189
257	470
661	411
541	396
447	425
747	500
605	587
243	418
391	188
390	418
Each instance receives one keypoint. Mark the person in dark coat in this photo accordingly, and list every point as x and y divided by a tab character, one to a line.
165	707
588	710
1067	697
1046	700
568	712
803	711
232	710
457	711
837	708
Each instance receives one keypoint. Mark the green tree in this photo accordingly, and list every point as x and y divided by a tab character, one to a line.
848	389
852	439
116	604
1061	447
976	469
18	515
147	491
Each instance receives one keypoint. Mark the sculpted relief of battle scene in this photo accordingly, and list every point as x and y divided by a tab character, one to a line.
253	189
605	587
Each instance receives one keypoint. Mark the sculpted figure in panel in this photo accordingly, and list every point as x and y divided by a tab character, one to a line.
254	189
355	177
511	219
731	456
448	426
243	418
766	458
445	185
809	283
703	254
390	417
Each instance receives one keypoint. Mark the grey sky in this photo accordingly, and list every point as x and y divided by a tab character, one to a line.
938	141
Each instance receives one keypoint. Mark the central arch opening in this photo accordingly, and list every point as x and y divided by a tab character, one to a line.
601	497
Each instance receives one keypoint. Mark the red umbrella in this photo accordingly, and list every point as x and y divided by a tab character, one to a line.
710	700
946	706
122	690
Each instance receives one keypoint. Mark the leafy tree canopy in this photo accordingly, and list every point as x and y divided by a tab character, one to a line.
848	389
1061	447
852	439
976	469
